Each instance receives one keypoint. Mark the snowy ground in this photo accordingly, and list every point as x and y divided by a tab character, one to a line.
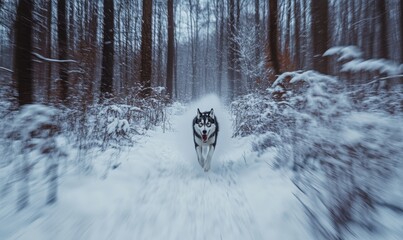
160	192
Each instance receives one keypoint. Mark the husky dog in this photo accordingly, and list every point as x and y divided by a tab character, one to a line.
205	130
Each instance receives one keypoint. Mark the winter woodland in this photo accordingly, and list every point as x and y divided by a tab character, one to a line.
97	99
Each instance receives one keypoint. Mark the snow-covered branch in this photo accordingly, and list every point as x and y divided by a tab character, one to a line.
355	63
53	60
6	69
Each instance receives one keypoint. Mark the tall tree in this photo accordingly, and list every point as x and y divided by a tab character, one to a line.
383	29
320	35
146	48
273	28
108	50
257	32
49	49
23	71
231	49
401	31
194	38
171	49
297	25
62	41
220	42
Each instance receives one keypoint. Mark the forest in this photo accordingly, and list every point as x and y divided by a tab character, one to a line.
97	99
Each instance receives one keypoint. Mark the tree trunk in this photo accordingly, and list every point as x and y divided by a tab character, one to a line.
383	33
146	49
206	60
219	42
23	71
108	50
231	49
297	33
171	49
273	17
237	63
194	34
320	35
49	25
257	33
62	40
401	31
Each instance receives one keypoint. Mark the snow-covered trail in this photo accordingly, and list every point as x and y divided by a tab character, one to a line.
160	192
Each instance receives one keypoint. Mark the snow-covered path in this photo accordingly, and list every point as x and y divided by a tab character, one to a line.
160	192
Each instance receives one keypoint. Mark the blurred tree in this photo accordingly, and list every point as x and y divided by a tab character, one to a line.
146	49
272	35
23	71
171	49
63	47
320	34
231	49
108	50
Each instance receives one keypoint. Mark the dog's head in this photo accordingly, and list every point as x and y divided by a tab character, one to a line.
205	124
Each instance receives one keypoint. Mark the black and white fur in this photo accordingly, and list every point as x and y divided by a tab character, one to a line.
205	130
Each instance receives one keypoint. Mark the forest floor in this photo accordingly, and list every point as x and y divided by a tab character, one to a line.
159	191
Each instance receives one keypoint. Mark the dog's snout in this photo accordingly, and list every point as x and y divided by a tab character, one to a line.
204	132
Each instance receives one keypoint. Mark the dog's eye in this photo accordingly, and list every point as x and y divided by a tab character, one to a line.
200	124
208	124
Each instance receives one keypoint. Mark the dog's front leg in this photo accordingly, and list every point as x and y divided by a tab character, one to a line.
200	156
208	159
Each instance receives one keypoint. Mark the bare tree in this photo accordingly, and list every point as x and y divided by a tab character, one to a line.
146	49
401	31
49	49
383	29
108	50
62	41
231	49
171	48
320	35
23	71
257	31
220	42
273	25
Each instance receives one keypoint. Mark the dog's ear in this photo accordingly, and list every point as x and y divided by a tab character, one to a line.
198	113
212	113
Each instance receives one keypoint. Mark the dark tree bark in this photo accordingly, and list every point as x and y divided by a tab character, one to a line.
23	72
221	50
49	25
273	25
231	49
62	41
320	35
257	32
219	15
383	33
108	50
171	49
146	49
401	31
194	33
297	16
237	63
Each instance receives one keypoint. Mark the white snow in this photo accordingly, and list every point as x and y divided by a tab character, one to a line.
344	52
52	59
355	63
160	192
382	65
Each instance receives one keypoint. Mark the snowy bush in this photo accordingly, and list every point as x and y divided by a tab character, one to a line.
111	126
343	152
32	137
